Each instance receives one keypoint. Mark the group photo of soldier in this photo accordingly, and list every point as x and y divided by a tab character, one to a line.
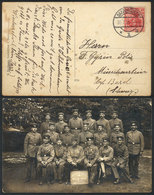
56	149
99	139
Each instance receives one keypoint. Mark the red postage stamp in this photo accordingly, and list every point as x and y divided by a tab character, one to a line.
134	19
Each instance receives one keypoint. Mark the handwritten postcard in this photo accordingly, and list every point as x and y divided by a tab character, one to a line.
76	48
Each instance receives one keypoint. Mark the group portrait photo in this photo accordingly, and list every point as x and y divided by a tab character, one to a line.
76	145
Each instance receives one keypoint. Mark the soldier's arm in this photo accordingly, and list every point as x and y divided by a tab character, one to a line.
26	144
81	157
110	157
142	141
81	123
126	140
52	155
69	158
40	139
108	128
126	154
39	158
96	156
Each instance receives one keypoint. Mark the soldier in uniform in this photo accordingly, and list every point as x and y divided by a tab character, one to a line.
104	122
75	157
90	161
54	136
100	135
105	158
84	135
45	156
31	144
66	137
45	124
121	159
91	122
115	120
115	133
59	161
75	123
135	143
59	126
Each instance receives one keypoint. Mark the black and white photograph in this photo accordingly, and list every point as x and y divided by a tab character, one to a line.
76	145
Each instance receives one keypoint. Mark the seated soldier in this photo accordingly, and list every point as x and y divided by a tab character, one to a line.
84	135
66	137
105	158
121	159
54	136
115	133
59	161
90	161
75	156
45	158
100	135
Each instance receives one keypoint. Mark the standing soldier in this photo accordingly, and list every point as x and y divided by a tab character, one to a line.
100	135
90	161
105	158
84	135
45	124
75	157
115	120
31	144
115	133
104	122
75	123
91	122
66	137
54	136
121	159
45	158
135	143
59	126
59	161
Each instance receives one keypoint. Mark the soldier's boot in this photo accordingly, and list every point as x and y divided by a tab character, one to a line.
127	176
60	173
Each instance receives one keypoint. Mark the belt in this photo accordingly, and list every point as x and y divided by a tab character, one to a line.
134	143
45	155
76	129
34	144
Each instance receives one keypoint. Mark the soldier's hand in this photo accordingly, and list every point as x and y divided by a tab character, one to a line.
118	164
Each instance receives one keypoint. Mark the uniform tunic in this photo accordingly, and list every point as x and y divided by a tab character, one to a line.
83	137
135	142
113	137
75	154
98	137
67	139
76	125
54	136
91	125
59	126
107	154
31	144
105	123
112	123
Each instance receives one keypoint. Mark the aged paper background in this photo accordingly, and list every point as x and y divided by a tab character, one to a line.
73	48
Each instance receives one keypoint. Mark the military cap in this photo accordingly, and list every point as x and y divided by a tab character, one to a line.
60	113
102	111
120	137
114	111
133	123
89	138
46	136
84	123
48	113
33	125
105	139
66	126
117	124
51	123
75	110
88	111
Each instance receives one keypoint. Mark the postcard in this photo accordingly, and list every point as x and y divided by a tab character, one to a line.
76	48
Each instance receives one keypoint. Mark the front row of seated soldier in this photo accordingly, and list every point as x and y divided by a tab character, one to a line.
59	155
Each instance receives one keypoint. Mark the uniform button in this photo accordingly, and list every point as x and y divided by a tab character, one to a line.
76	128
133	143
44	155
34	144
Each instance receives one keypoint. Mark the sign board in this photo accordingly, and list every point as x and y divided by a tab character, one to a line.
79	177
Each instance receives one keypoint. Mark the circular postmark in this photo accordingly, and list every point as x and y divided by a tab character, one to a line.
128	21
